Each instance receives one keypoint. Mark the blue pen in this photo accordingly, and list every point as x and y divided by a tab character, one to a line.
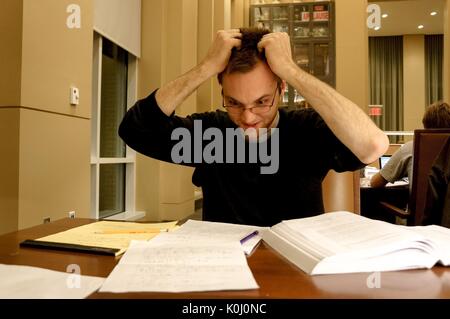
251	235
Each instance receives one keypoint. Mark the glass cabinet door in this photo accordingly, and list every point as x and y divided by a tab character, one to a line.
320	21
261	17
321	55
310	26
301	55
280	14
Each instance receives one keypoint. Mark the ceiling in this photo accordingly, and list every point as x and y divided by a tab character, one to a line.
406	15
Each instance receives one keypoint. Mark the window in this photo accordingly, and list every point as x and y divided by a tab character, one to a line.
112	162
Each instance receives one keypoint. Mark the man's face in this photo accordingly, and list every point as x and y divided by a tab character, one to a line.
250	90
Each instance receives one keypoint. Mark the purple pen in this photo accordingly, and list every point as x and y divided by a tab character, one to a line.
251	235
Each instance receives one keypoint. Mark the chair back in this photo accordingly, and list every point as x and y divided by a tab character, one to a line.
340	191
427	145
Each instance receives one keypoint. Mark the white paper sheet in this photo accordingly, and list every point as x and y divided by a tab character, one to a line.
24	282
171	266
221	231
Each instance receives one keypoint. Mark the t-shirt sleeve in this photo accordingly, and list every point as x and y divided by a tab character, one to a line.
332	152
398	165
149	131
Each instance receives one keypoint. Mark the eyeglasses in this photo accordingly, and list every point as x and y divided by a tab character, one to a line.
262	106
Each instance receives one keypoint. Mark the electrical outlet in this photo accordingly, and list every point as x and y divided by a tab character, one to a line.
74	96
72	214
46	220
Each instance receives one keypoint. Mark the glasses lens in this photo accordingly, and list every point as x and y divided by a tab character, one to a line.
261	109
233	110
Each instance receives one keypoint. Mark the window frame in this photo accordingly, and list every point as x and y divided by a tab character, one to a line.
96	161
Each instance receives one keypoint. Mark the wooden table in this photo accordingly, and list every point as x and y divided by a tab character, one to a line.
276	277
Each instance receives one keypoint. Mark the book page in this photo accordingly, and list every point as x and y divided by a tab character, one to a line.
110	234
162	266
440	236
25	282
349	234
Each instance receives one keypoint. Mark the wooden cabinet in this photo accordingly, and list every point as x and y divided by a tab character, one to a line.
311	27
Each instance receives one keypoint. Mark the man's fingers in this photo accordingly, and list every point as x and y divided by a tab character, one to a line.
233	33
236	42
262	44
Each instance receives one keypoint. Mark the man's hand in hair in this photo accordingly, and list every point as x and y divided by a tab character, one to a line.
277	47
220	50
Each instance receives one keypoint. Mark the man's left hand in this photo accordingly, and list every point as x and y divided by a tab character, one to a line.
277	47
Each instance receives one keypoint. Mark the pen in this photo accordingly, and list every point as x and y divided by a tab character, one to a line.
251	235
132	231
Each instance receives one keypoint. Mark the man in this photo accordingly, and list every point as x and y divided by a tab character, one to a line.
400	165
253	67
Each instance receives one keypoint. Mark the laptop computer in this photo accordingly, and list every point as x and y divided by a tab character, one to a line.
383	160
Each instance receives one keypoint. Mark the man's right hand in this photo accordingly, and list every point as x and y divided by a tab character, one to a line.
172	94
220	50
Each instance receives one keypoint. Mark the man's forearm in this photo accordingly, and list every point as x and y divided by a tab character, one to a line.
172	94
347	121
378	181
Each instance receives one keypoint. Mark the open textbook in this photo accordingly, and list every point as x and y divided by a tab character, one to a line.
343	242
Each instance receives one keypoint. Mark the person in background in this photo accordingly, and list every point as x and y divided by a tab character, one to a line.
400	165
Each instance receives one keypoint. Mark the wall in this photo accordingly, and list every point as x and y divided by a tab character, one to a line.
9	174
10	65
413	81
54	167
150	77
341	191
48	140
169	48
55	57
206	33
446	73
11	44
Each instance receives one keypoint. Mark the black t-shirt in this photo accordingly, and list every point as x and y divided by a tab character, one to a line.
238	192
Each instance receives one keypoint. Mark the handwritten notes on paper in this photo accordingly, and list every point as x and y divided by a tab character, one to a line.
174	265
110	234
203	231
198	256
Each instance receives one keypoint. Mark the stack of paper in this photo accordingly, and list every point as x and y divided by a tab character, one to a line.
109	234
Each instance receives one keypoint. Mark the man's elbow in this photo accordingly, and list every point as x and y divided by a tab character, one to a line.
376	148
377	181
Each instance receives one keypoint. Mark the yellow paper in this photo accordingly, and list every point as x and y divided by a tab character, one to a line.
110	234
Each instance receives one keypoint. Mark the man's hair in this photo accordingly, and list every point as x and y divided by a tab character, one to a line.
437	115
245	58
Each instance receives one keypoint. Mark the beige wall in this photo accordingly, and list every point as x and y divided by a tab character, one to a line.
9	172
50	159
169	48
352	49
446	73
150	77
54	172
206	33
339	189
413	81
212	17
11	44
55	57
10	65
176	192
